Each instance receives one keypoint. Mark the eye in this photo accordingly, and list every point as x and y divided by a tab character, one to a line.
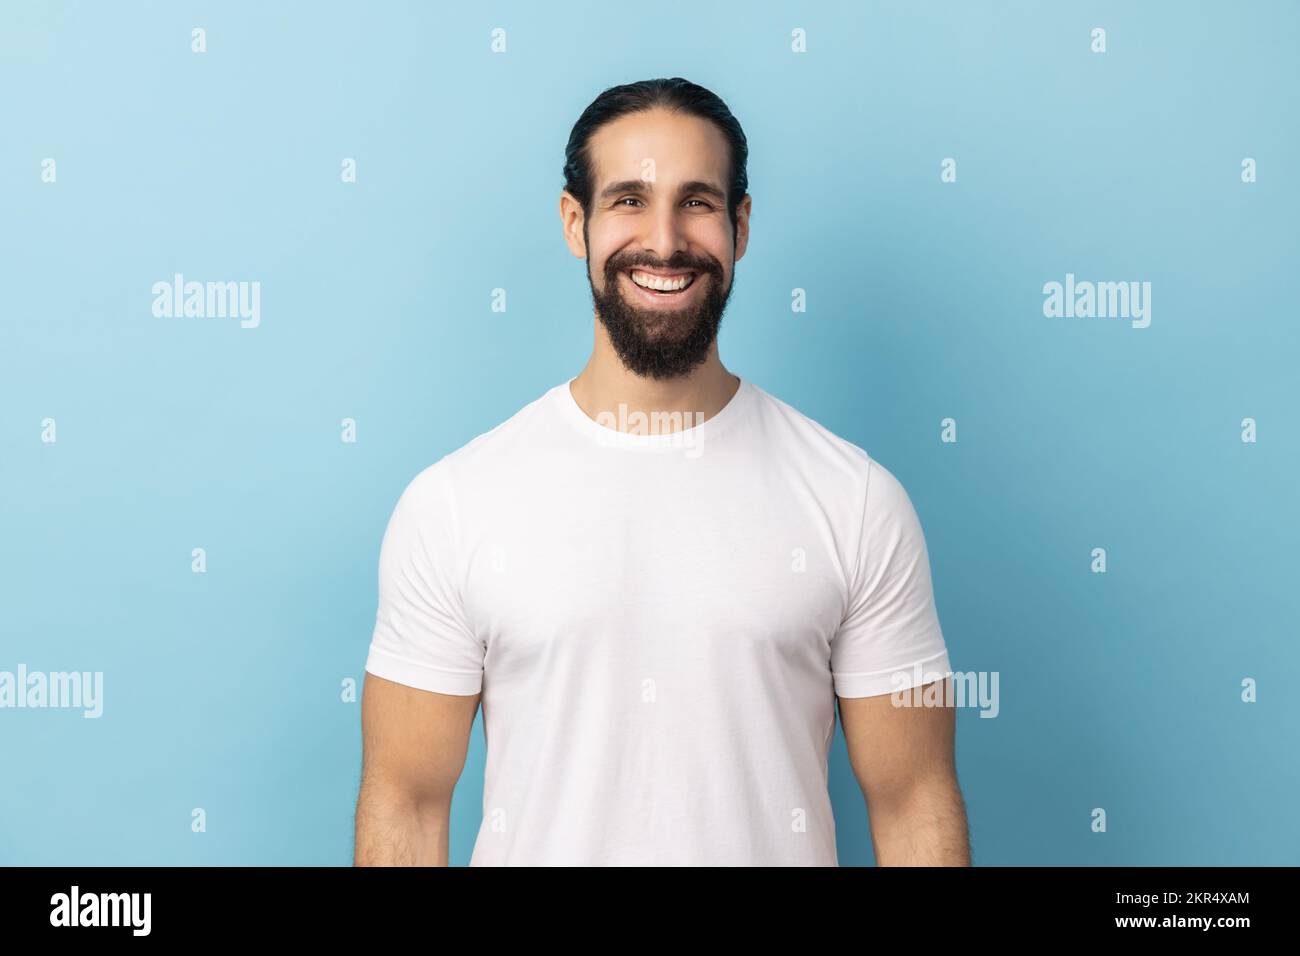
626	199
700	201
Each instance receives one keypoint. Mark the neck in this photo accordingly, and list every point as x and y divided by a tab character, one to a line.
605	384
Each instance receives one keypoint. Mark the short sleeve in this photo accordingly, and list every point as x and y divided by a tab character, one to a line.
890	637
421	637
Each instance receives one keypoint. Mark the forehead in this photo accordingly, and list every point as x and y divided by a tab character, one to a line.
681	148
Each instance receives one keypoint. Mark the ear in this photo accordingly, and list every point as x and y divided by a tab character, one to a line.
571	220
742	225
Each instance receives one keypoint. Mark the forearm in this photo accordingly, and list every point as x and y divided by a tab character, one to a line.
393	829
925	826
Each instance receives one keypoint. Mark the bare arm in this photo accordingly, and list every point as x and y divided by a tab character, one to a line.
903	760
413	750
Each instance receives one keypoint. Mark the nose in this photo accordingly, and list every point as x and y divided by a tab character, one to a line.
665	235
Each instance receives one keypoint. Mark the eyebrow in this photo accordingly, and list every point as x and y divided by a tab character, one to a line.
642	187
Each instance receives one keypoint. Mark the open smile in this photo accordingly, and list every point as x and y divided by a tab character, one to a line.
659	285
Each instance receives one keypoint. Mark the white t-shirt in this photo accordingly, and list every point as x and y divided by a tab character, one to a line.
659	625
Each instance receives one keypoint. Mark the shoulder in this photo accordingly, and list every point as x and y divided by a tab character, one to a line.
497	450
806	440
832	459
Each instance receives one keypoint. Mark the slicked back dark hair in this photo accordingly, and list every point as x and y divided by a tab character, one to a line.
675	94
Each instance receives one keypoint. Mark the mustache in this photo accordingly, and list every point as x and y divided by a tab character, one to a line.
622	265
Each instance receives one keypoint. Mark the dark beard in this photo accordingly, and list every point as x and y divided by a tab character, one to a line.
661	345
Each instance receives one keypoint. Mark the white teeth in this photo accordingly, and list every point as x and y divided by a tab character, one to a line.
648	281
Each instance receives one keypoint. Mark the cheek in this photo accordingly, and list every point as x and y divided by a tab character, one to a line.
602	255
719	247
597	261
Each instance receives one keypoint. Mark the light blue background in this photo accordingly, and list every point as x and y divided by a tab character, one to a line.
1119	691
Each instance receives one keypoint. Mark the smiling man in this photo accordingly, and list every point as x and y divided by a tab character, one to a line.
658	638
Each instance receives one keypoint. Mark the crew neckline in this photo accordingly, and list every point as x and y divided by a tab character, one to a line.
693	437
